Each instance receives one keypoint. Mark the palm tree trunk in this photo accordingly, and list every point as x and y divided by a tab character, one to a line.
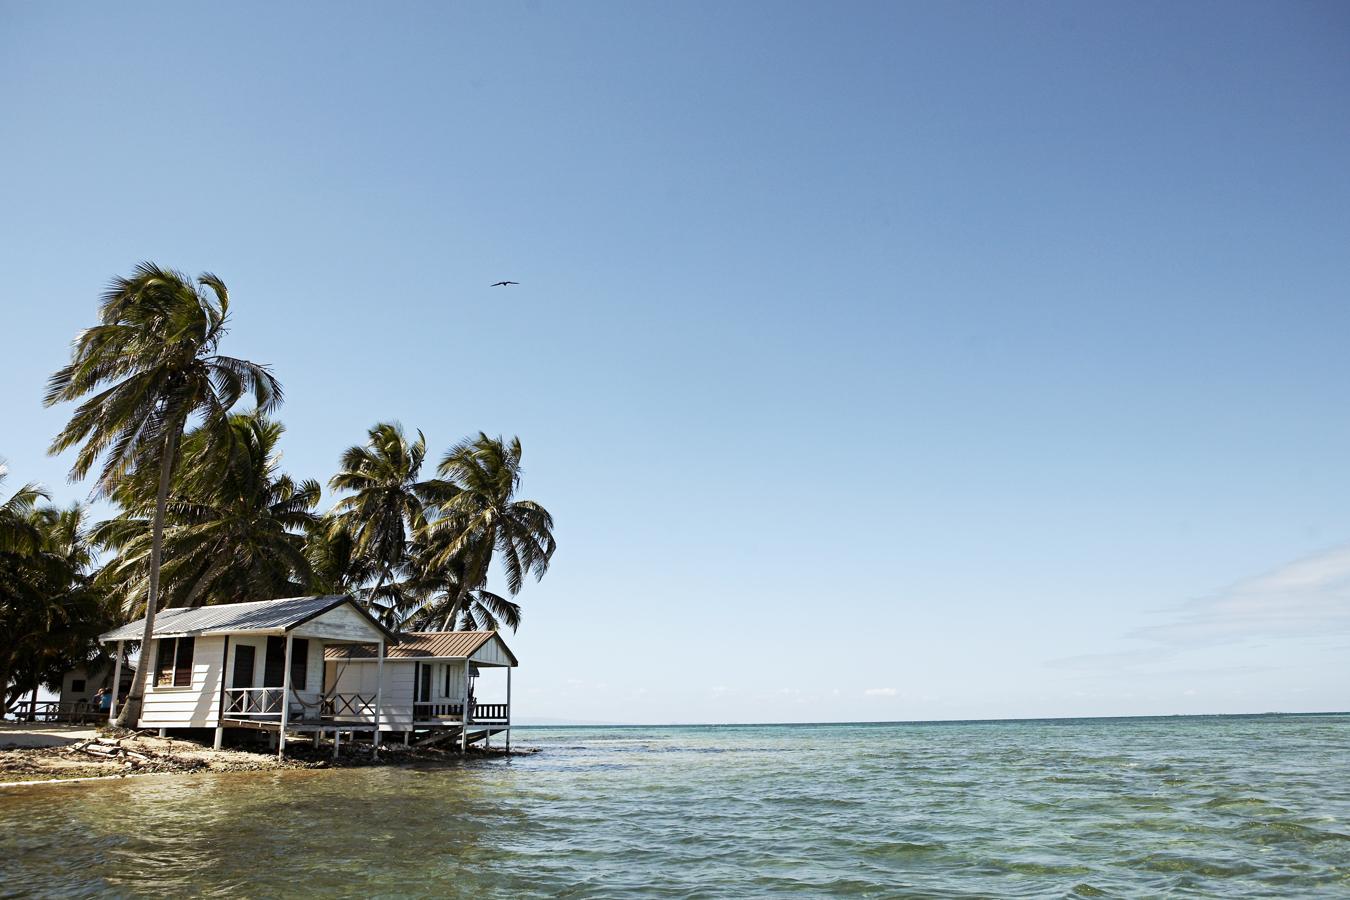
131	710
453	615
462	592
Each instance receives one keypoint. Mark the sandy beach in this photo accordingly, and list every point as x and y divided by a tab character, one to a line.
46	753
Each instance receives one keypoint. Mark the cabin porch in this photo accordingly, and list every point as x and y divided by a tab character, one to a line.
430	679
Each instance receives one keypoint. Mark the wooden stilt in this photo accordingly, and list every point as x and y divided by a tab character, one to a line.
379	692
285	697
117	682
464	714
337	741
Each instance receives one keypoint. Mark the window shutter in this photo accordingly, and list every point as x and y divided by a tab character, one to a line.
164	654
274	666
299	662
243	666
182	669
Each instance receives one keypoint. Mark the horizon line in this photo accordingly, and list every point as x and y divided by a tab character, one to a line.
932	721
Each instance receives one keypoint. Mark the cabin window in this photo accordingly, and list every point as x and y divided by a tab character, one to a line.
77	685
173	667
274	668
447	681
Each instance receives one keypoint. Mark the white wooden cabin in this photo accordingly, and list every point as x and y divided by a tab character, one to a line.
80	687
429	681
256	666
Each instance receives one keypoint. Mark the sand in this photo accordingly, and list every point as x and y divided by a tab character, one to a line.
41	753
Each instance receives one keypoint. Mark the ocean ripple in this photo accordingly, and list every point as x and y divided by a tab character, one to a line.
1232	806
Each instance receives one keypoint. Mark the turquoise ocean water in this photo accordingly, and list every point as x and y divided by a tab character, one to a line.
1210	806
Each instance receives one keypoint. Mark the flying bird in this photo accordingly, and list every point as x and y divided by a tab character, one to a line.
503	283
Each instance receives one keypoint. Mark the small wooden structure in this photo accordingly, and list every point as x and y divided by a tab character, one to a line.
257	666
429	684
80	686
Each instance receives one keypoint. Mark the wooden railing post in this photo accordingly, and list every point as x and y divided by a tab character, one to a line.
285	697
117	683
464	714
379	692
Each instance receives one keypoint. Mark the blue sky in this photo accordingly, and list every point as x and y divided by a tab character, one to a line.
877	360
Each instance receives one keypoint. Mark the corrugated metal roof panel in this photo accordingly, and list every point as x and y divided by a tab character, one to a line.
422	645
257	616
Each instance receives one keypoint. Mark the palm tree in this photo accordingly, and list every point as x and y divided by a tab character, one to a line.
386	505
438	587
49	613
17	533
478	518
151	364
335	566
20	539
234	525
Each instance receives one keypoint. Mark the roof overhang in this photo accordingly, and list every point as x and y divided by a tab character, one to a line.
133	631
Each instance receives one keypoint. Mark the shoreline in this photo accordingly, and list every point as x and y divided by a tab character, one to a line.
73	756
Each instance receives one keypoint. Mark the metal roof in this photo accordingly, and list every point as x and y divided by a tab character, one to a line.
262	615
423	645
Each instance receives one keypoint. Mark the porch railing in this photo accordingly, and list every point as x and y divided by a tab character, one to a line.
342	706
424	711
55	711
253	703
490	712
441	709
265	703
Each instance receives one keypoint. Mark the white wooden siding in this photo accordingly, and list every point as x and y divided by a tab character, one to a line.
187	707
341	623
456	691
314	666
259	645
397	702
92	682
492	653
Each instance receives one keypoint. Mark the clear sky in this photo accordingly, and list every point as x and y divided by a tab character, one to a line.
877	360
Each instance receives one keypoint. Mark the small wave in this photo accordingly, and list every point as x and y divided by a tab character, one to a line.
1288	833
1179	863
1038	868
1235	802
901	848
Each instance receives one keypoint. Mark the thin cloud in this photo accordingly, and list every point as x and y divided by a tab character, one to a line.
880	692
1310	597
1306	598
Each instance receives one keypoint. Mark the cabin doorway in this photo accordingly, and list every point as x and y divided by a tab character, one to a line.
244	658
274	664
423	683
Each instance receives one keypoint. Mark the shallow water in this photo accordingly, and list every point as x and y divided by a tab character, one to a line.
1232	806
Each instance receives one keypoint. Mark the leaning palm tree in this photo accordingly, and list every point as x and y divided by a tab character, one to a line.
234	523
151	365
385	506
440	598
479	517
